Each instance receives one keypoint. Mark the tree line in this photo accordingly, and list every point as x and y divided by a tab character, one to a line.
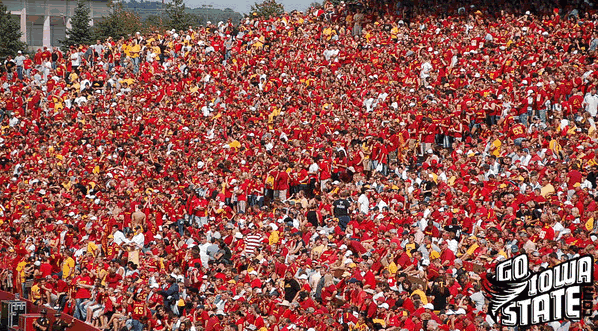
122	22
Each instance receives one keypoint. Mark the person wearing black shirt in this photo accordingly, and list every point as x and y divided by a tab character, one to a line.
440	294
524	214
291	287
42	323
341	211
3	111
592	177
9	66
426	187
455	228
224	254
59	324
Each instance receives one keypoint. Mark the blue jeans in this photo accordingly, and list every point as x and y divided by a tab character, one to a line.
253	200
542	115
136	64
181	226
343	221
3	114
20	72
25	291
80	312
134	325
523	119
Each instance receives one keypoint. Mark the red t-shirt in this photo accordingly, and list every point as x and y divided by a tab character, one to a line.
83	293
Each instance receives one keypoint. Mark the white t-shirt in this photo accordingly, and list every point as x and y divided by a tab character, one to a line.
364	204
425	71
313	168
76	59
591	103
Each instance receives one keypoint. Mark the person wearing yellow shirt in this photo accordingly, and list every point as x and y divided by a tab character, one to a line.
394	32
21	276
392	268
274	235
473	241
547	188
92	248
21	270
327	32
257	43
235	144
36	293
68	265
494	144
134	52
361	325
421	294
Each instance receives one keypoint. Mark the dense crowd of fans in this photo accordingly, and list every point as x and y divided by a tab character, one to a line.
355	167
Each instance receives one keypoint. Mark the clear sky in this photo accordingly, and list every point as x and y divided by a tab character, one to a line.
243	6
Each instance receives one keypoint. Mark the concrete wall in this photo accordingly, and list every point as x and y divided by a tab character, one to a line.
45	22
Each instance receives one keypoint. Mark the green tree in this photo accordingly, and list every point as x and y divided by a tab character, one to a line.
267	9
10	38
119	23
154	22
177	17
80	31
314	4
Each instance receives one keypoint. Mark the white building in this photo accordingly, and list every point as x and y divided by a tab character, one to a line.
45	22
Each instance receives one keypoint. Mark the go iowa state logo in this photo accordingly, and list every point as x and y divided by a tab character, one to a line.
519	297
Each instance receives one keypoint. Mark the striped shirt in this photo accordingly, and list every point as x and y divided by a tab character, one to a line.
252	242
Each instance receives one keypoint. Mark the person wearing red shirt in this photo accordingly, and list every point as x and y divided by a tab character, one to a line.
45	268
281	183
37	58
27	65
46	55
517	132
447	256
547	232
138	310
113	278
573	177
84	284
214	322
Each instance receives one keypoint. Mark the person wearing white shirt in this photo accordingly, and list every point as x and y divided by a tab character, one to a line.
75	59
382	96
119	237
590	102
369	104
453	245
203	251
426	68
330	53
81	99
364	202
525	157
381	204
139	238
314	168
558	229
